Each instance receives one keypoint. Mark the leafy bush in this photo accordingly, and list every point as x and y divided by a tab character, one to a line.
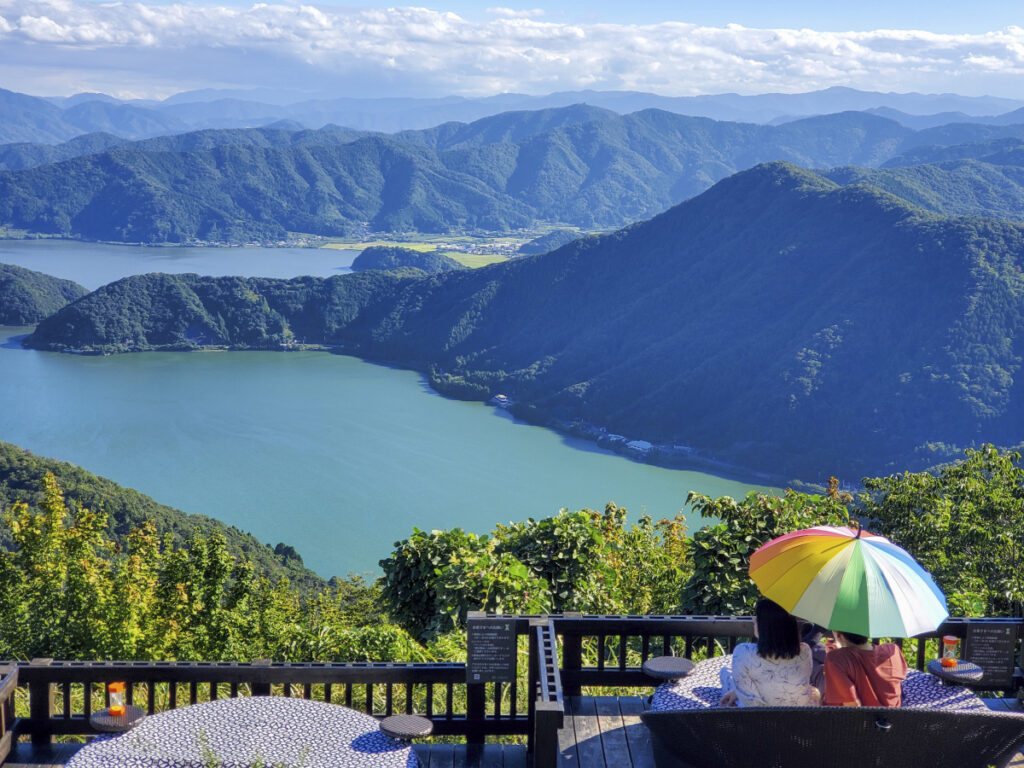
720	583
965	524
432	580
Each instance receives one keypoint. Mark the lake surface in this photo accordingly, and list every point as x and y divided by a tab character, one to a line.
338	457
96	264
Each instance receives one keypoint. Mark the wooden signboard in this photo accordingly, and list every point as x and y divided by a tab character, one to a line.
490	651
993	647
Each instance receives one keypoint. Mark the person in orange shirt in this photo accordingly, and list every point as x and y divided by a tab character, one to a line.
858	673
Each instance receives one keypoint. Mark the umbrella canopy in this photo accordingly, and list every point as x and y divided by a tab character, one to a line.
849	580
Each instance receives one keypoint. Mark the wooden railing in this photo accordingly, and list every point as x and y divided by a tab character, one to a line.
8	685
596	652
607	651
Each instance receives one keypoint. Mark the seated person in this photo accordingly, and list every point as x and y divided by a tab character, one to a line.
773	672
812	634
858	673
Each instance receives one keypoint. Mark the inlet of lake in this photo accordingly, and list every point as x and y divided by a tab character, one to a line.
335	456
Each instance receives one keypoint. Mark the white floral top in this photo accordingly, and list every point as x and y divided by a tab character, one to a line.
761	682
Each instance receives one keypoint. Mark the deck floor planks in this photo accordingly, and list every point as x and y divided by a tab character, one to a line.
613	731
568	755
637	735
583	714
54	756
515	756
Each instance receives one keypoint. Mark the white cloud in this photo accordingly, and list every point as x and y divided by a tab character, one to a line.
512	13
416	51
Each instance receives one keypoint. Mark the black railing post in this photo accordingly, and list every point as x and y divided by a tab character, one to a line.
572	652
260	686
476	698
40	706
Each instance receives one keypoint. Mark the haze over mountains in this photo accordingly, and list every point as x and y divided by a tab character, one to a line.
579	166
25	118
777	321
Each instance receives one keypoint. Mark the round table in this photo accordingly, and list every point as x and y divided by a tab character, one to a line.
667	667
247	731
104	722
964	673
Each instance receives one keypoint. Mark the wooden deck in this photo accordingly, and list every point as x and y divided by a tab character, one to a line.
599	732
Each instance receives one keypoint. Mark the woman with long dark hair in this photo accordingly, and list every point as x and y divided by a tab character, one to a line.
776	670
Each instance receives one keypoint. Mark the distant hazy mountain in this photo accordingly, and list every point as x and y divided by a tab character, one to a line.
505	128
29	119
778	321
587	168
1001	151
26	297
43	121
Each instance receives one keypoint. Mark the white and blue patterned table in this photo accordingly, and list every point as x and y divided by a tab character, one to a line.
702	689
247	731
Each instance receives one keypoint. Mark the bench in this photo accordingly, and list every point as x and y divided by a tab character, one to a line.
858	737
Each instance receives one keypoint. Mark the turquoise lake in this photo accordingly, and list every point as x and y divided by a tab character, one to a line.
335	456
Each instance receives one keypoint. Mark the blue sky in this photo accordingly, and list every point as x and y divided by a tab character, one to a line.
949	17
153	50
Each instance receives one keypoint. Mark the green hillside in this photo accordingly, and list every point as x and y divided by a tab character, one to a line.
21	475
26	297
395	257
578	166
956	187
161	311
779	321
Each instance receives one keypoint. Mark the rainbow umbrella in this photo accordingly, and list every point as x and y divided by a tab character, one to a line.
850	580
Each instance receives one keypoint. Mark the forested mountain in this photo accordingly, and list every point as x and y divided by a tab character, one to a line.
16	156
505	128
29	119
392	257
20	156
998	151
21	475
42	119
161	311
778	321
602	173
26	297
556	238
957	187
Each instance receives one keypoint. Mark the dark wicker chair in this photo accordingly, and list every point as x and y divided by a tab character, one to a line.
858	737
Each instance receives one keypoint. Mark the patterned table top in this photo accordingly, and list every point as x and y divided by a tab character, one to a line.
702	689
267	731
963	672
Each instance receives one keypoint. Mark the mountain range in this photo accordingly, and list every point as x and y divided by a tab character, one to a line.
25	118
579	166
779	320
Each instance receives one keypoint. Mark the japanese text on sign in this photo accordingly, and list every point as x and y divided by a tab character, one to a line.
490	651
